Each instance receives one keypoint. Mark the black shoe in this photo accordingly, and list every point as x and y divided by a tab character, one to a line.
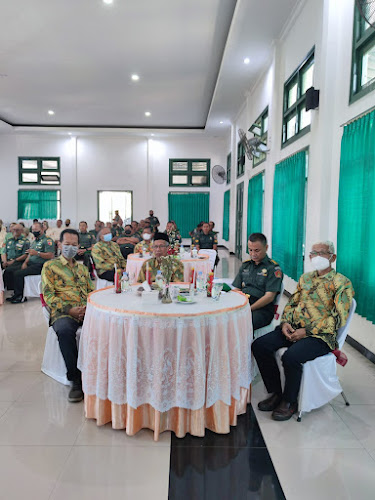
9	299
75	394
284	411
18	300
270	403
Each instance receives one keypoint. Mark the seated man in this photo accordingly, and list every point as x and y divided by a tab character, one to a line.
260	278
146	242
106	253
309	324
66	285
98	226
127	241
116	230
161	245
14	255
173	234
205	240
41	250
86	242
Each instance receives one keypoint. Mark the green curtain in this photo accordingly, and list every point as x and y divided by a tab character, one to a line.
288	222
356	212
188	209
255	205
226	215
35	204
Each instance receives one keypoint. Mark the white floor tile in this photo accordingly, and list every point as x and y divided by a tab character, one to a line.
361	421
14	384
4	406
30	472
133	472
325	473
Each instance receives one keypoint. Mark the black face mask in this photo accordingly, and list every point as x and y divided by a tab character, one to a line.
128	232
36	234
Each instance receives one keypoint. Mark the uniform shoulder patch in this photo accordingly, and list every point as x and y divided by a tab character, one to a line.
274	262
49	241
278	273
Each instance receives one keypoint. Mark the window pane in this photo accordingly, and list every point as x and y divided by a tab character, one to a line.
199	166
291	127
368	66
307	79
48	164
369	14
179	179
305	118
180	166
30	164
265	124
29	177
292	95
199	180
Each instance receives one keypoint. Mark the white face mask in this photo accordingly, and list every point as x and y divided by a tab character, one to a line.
146	236
320	263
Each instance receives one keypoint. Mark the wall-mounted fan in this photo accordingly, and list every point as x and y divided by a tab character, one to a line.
367	11
219	174
253	147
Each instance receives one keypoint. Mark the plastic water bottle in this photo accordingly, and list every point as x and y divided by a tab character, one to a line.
159	280
200	282
182	249
125	284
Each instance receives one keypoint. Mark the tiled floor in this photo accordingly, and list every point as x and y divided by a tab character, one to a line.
49	451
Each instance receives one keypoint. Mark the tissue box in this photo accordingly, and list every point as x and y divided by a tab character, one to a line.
150	298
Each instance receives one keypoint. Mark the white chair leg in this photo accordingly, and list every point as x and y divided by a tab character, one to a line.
344	398
299	416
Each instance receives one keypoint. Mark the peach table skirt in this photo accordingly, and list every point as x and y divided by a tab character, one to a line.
218	418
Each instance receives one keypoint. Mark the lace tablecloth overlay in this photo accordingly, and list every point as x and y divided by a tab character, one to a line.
164	356
134	263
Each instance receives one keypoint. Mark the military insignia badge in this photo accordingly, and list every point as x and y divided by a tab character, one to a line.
50	243
264	272
278	273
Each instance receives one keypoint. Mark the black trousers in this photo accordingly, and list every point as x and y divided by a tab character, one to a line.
66	330
299	352
108	275
8	275
19	277
86	260
261	317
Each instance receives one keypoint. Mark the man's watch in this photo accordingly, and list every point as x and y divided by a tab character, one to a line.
38	254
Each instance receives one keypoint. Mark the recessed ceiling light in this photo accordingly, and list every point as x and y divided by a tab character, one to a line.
246	60
108	1
152	135
147	113
51	112
221	123
135	78
69	133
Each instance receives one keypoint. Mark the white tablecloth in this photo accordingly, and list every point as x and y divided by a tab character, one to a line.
134	263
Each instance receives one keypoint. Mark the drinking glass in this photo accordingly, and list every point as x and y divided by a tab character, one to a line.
216	291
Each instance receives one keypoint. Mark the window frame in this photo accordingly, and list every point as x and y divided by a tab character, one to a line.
299	105
229	167
189	173
38	170
241	159
263	136
363	39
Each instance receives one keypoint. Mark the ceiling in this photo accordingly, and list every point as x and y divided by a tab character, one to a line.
76	57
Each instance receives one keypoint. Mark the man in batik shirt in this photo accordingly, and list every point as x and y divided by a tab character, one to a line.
160	249
146	243
106	253
309	324
66	285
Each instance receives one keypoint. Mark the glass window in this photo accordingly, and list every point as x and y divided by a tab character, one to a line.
368	66
180	179
305	118
199	166
29	177
198	180
181	166
196	172
307	79
260	129
29	164
291	127
229	167
292	95
39	170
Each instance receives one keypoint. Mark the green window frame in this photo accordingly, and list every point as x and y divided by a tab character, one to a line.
226	215
296	120
189	172
39	171
39	204
363	58
260	129
240	159
229	167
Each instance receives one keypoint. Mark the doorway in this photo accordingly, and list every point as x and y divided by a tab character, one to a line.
109	201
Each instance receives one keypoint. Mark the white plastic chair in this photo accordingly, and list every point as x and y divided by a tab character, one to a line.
211	255
320	383
53	363
31	288
272	326
99	282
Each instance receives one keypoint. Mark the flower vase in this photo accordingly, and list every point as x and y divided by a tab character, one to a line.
166	297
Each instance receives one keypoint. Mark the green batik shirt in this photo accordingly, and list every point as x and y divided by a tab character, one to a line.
174	237
106	255
154	267
65	286
205	241
320	305
15	248
143	244
86	240
44	245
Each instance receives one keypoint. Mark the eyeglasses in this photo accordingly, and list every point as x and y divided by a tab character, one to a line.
314	254
160	246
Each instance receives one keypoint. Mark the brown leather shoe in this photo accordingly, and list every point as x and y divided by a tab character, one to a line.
270	403
284	411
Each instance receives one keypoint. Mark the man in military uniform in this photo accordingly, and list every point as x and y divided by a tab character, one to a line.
41	250
98	226
86	242
260	278
14	255
116	230
212	227
205	240
106	253
160	249
127	241
66	285
154	221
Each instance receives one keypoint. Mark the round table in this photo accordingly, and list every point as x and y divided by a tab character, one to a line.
135	261
179	367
